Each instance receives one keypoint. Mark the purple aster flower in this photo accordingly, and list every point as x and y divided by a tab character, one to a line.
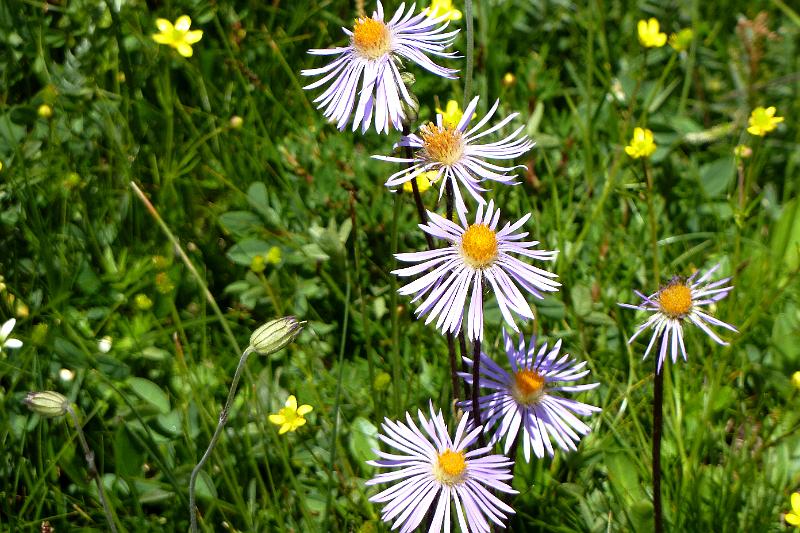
373	57
478	255
681	300
528	399
453	153
431	469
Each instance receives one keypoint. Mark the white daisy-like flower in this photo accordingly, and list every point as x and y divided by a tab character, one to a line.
452	152
433	469
681	300
373	58
6	341
478	255
528	399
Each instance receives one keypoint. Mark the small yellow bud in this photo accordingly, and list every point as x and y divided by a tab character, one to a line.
509	79
22	310
236	122
275	334
71	180
273	256
142	302
742	151
258	264
796	379
382	381
44	111
47	403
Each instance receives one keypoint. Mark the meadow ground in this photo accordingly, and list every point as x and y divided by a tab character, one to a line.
282	214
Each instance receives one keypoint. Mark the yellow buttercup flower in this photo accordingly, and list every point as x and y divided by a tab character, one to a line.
796	379
452	113
763	121
44	111
424	181
680	41
290	417
650	35
178	36
642	144
793	516
443	8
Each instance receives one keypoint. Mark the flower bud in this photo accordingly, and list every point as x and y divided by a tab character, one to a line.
275	334
47	403
44	111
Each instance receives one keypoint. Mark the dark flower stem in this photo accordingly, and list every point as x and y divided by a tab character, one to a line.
476	368
658	385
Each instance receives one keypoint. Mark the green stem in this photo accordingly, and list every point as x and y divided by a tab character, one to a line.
223	418
185	258
88	454
337	397
470	52
653	223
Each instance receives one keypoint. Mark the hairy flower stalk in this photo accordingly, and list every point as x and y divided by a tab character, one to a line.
267	339
52	404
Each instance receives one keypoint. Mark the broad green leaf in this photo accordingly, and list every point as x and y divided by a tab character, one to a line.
150	392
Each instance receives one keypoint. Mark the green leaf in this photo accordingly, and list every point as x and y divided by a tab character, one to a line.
363	439
241	223
150	392
786	236
717	176
243	252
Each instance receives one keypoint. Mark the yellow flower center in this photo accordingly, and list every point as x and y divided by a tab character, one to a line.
675	300
450	467
443	145
479	246
371	38
528	386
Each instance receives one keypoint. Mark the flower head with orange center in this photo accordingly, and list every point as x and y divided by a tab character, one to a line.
642	144
291	416
762	121
680	301
650	35
480	256
530	397
452	152
178	36
432	473
373	59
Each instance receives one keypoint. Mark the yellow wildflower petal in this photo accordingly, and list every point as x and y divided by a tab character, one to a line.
193	36
164	25
298	422
277	419
796	503
291	403
161	38
183	23
304	410
184	49
284	429
792	519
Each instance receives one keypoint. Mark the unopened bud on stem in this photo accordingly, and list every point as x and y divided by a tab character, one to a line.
47	403
275	334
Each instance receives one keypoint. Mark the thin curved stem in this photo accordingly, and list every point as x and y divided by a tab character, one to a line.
89	456
223	418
